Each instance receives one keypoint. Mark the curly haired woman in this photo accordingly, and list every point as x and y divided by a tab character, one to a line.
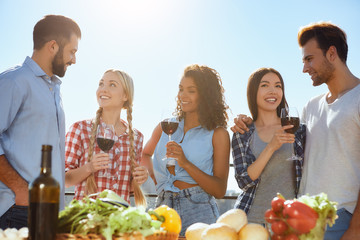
201	146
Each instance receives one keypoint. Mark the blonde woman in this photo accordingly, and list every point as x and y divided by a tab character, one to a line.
86	166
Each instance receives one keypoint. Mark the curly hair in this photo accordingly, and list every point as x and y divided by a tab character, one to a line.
212	107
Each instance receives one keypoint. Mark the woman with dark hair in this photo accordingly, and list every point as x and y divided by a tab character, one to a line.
261	168
201	147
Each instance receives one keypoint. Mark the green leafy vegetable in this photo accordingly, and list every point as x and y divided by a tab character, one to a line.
327	214
106	218
109	195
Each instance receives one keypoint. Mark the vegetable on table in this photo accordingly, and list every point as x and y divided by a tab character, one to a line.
105	218
302	218
170	219
277	204
279	227
299	216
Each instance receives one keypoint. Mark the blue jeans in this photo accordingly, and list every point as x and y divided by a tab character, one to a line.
192	204
14	217
341	225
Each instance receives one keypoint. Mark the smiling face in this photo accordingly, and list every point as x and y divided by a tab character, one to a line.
188	95
65	56
110	93
270	92
316	64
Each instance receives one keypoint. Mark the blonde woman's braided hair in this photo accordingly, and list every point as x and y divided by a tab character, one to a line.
128	86
91	186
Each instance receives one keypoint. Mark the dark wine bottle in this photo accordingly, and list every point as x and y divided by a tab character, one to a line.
44	193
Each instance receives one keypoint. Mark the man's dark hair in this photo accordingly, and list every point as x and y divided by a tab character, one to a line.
326	35
54	27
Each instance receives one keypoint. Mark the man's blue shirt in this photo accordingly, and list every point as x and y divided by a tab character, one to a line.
31	114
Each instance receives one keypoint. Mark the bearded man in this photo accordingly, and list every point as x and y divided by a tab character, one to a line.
32	115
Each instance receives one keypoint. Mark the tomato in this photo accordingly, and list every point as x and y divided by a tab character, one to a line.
301	225
172	222
270	216
279	227
291	236
300	216
277	204
296	209
277	237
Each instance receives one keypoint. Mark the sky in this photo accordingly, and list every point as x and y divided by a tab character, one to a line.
154	40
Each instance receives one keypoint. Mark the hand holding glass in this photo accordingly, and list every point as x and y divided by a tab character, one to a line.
290	116
105	138
169	126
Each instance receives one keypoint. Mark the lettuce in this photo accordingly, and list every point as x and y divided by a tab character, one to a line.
130	220
327	214
109	195
105	217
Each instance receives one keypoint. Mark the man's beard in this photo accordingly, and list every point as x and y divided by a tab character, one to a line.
58	66
324	74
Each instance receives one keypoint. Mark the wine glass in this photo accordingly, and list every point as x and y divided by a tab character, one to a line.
105	137
290	116
169	125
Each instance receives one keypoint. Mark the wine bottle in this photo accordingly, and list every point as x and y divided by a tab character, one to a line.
44	194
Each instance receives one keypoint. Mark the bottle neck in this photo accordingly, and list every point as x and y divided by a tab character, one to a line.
46	163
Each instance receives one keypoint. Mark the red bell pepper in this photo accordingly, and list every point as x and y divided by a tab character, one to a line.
300	216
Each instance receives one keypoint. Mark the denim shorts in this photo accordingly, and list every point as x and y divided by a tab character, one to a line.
341	225
192	204
14	217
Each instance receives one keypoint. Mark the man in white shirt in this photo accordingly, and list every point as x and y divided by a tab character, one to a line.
333	127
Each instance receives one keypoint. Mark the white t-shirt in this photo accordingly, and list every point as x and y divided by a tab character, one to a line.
332	152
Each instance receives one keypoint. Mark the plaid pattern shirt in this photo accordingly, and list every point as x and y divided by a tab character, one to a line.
116	177
243	158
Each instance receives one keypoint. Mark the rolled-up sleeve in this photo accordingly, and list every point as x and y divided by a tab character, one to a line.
242	160
73	147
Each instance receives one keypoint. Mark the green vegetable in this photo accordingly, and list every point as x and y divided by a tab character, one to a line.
106	218
110	195
326	211
133	219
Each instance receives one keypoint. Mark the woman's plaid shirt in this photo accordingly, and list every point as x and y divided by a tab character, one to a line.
117	177
243	158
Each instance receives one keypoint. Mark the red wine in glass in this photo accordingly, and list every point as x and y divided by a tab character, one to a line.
105	137
105	144
290	116
169	126
291	121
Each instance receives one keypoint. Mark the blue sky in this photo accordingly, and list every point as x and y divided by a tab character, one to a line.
154	40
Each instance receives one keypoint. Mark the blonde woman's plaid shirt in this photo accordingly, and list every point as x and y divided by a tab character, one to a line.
117	177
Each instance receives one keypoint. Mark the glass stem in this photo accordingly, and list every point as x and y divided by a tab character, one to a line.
169	137
293	150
